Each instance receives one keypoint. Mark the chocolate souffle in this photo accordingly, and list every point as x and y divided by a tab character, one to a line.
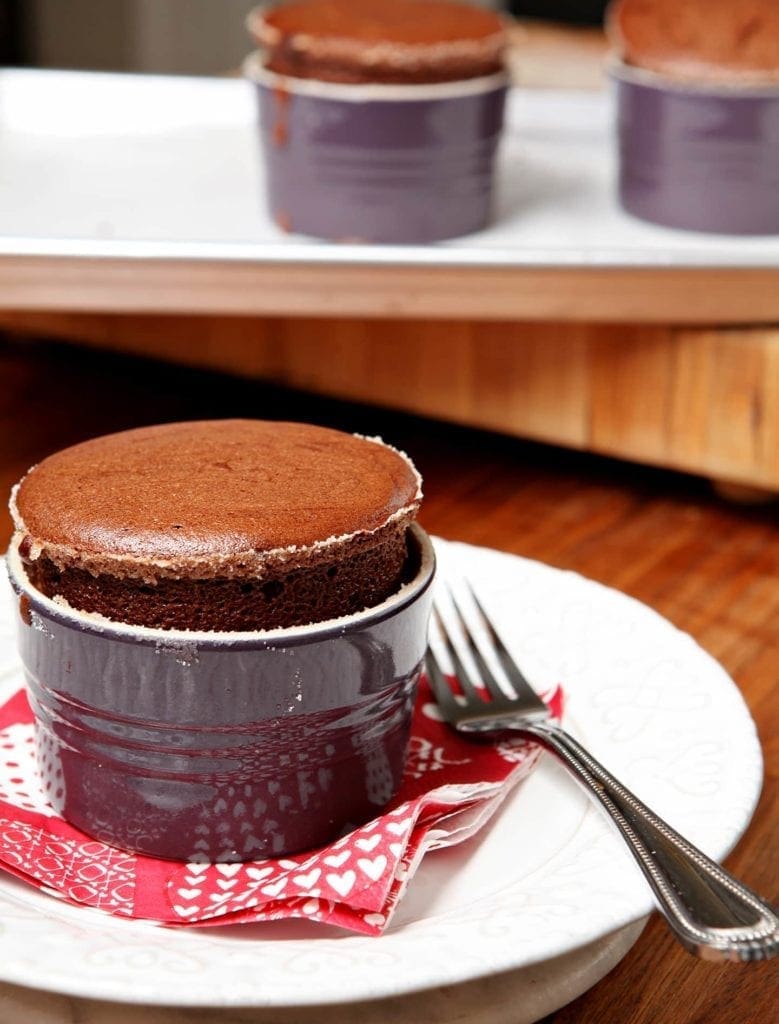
378	41
220	525
727	42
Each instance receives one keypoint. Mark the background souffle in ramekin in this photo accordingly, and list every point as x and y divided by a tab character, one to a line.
698	112
379	121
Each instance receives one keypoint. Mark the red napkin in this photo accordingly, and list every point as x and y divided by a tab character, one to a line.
451	787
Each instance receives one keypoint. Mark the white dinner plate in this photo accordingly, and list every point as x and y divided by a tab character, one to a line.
546	878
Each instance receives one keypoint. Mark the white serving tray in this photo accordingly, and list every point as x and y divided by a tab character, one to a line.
144	193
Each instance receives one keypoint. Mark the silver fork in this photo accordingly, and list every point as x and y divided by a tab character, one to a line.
712	914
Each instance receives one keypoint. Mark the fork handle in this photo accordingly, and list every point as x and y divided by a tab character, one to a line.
712	914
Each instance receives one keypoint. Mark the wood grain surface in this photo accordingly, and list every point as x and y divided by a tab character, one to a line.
703	400
709	566
41	283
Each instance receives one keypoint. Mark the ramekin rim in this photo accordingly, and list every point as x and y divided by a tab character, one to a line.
631	74
378	92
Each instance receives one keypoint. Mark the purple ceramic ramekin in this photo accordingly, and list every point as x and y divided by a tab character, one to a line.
223	746
378	163
699	157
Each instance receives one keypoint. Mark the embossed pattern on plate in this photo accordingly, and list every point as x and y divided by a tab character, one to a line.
546	878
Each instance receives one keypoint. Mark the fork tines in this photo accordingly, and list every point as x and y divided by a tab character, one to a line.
472	631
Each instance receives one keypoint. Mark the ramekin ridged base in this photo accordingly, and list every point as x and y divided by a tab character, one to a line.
378	163
698	157
222	747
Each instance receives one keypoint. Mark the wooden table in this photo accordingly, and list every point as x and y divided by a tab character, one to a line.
710	567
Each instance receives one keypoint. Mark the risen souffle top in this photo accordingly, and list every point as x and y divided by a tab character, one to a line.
402	41
731	42
226	524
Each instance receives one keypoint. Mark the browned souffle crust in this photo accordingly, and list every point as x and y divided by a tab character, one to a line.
401	42
731	42
219	525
